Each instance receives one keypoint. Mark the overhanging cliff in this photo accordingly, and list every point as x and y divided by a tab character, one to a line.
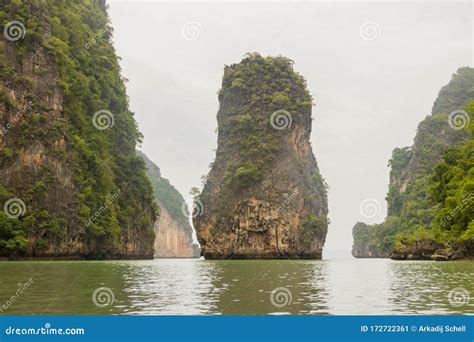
264	196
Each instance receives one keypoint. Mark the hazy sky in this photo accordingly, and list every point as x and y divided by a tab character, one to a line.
374	70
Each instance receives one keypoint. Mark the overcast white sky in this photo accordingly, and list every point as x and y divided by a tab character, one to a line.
370	94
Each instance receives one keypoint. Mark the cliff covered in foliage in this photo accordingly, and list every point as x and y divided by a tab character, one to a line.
431	189
173	232
264	196
71	184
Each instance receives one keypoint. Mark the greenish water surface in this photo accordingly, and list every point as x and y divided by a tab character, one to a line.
236	287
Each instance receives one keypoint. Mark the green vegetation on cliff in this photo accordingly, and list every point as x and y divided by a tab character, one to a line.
452	189
256	83
457	93
431	191
264	196
399	161
54	159
167	195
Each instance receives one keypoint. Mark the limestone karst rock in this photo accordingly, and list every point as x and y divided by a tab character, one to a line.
173	232
71	184
429	194
264	196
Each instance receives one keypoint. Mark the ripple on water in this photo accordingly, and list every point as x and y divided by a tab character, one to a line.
199	287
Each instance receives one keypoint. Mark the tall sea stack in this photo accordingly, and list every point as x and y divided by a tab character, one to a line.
264	196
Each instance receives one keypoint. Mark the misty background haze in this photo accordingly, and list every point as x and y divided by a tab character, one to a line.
374	70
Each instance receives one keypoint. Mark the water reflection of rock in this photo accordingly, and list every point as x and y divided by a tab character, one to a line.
172	287
424	287
197	287
357	286
63	287
246	287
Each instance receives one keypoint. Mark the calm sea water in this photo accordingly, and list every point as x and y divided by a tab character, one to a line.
234	287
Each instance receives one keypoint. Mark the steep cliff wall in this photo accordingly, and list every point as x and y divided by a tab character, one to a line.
70	182
367	241
172	241
173	232
264	196
434	135
418	200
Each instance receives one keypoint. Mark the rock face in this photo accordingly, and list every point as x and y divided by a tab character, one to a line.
264	196
172	240
173	232
434	135
364	246
70	182
422	249
429	185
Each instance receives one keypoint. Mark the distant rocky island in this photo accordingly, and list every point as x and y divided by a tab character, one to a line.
431	190
264	196
173	232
